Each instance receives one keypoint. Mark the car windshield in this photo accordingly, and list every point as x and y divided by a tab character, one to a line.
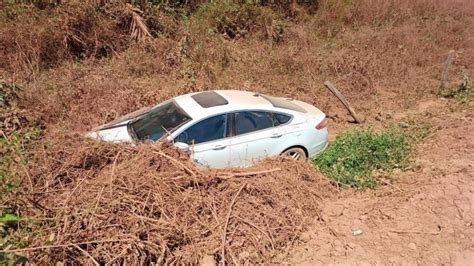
164	118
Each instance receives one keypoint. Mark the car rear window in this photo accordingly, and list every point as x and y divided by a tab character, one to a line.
250	121
283	103
281	118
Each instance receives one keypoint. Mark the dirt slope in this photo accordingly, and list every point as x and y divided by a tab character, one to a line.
425	218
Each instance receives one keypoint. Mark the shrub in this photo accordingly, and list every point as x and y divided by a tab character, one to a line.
16	136
353	157
235	20
32	39
461	93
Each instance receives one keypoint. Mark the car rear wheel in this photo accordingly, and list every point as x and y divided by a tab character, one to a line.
295	154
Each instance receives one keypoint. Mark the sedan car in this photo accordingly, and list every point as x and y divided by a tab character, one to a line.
226	128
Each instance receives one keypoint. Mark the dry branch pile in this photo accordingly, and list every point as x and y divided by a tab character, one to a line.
96	202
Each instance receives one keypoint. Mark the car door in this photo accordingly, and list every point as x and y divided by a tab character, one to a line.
254	137
208	142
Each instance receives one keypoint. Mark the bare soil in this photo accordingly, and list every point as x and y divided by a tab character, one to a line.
85	68
426	217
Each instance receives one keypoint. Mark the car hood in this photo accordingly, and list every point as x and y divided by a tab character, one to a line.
112	133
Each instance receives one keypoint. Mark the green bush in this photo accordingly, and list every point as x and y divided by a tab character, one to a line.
353	157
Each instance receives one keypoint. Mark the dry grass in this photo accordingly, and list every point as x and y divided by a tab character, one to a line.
85	67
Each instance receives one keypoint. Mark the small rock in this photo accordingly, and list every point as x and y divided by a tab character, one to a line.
356	232
412	246
403	125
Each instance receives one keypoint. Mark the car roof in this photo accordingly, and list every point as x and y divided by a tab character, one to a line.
203	104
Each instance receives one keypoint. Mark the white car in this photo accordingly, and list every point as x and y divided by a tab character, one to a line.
226	128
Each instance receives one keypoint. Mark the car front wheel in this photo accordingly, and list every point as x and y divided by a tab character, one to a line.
295	153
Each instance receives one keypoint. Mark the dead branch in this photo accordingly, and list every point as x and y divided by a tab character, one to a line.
87	254
74	190
260	230
390	184
417	232
243	174
67	245
343	100
177	163
224	231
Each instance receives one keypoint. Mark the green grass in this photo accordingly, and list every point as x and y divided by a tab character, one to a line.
354	156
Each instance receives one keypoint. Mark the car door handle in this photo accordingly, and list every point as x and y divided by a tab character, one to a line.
276	135
219	147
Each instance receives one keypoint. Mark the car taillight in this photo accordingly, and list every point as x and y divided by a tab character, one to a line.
322	124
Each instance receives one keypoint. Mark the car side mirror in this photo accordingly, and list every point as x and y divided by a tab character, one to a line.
182	146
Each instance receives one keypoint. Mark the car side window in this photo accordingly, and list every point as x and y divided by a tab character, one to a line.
281	118
249	121
209	129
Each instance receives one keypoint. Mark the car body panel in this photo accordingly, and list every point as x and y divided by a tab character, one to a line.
247	148
213	153
114	133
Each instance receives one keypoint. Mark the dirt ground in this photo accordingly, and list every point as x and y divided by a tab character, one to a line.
425	217
76	65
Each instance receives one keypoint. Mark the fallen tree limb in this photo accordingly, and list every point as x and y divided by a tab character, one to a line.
243	174
343	100
224	231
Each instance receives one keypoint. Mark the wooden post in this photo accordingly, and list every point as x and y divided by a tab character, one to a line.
343	100
444	74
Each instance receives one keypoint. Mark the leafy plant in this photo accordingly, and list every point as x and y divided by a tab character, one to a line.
14	152
8	218
10	240
460	93
15	137
353	157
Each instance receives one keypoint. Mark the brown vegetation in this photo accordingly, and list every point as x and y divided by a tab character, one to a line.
76	66
149	204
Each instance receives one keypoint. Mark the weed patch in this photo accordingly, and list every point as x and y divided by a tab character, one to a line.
353	157
461	93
